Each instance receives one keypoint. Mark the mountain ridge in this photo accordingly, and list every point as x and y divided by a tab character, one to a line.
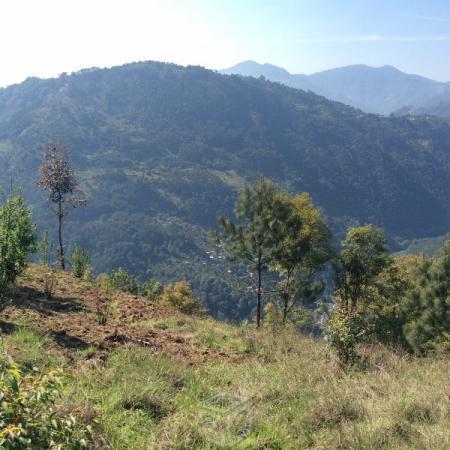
382	90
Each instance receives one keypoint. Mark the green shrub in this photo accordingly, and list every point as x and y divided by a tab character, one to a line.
179	295
121	280
28	418
17	242
80	262
106	308
344	331
44	248
152	290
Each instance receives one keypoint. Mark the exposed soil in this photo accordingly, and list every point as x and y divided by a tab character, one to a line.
71	319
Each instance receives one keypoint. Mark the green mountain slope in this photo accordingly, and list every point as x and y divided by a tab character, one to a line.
163	150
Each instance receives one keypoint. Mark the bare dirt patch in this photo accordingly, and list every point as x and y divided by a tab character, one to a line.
70	319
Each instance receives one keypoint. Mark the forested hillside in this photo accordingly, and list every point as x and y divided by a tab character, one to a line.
440	110
162	151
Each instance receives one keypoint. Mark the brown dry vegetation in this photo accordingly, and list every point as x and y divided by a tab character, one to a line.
69	318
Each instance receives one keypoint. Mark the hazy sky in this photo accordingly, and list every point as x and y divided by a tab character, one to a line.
46	37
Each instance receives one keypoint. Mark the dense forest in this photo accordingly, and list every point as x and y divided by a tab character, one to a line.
162	151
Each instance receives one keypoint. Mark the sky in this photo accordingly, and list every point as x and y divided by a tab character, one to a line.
48	37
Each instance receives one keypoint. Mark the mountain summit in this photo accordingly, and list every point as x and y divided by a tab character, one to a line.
253	69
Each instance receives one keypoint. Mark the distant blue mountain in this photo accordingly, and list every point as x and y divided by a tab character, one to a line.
381	90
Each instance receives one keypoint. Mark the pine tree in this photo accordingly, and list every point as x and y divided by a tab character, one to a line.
253	240
428	305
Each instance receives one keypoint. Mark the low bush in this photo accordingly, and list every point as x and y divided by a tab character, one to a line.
80	262
179	295
152	290
121	280
28	418
344	331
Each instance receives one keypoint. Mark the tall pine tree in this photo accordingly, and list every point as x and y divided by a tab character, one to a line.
253	239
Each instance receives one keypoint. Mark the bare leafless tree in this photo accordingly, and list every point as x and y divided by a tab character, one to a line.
59	180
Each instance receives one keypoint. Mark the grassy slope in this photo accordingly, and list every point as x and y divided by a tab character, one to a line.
198	383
